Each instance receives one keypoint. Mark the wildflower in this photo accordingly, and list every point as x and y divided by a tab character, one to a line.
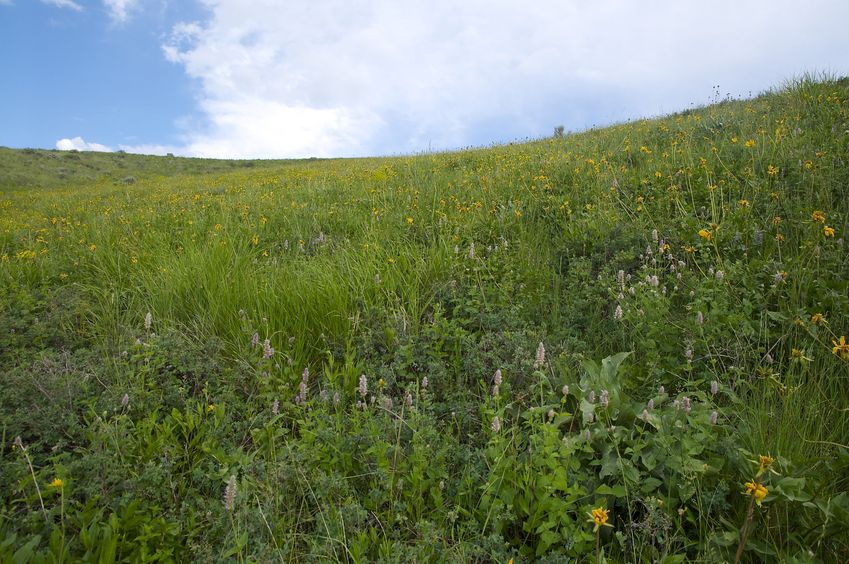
267	349
408	399
591	396
654	235
714	416
768	358
720	275
148	321
57	483
650	404
654	281
210	408
818	216
125	400
764	462
743	203
828	231
841	347
496	424
661	390
495	390
472	250
604	399
497	378
230	493
771	170
255	339
688	354
779	276
565	390
539	361
618	313
714	388
336	398
705	234
599	517
685	404
409	220
817	318
424	383
363	386
750	143
700	318
757	491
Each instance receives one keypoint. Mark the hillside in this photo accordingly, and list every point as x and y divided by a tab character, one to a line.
629	341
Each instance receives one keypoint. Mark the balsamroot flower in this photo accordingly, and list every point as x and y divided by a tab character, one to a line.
841	347
599	517
757	491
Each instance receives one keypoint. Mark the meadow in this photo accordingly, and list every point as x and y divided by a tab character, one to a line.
626	344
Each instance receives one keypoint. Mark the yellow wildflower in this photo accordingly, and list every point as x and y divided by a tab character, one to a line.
771	170
743	203
57	483
841	347
409	220
817	318
750	143
756	490
210	408
828	231
705	234
818	216
765	461
599	517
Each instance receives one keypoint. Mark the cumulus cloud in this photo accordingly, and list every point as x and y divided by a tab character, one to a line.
79	144
119	10
63	4
335	78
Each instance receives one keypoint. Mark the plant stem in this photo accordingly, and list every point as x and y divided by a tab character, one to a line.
744	531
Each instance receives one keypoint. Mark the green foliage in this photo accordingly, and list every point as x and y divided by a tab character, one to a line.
398	359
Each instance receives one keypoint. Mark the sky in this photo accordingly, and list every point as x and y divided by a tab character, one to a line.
336	78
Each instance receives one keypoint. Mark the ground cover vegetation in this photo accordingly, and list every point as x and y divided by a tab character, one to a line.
627	344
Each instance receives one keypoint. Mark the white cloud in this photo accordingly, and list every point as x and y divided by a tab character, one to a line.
6	3
77	143
338	78
119	10
63	4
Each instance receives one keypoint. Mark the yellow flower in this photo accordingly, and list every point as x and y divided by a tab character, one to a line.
776	220
599	516
210	408
828	231
818	216
841	347
705	234
743	203
817	318
765	461
756	490
255	240
750	143
57	483
771	170
409	221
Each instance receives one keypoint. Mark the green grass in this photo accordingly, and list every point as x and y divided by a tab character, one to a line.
365	267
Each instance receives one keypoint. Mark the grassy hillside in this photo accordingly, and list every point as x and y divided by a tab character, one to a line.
628	343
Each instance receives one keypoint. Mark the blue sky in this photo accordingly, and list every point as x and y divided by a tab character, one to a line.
261	78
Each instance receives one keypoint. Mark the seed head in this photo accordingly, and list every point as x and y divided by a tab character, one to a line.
148	321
